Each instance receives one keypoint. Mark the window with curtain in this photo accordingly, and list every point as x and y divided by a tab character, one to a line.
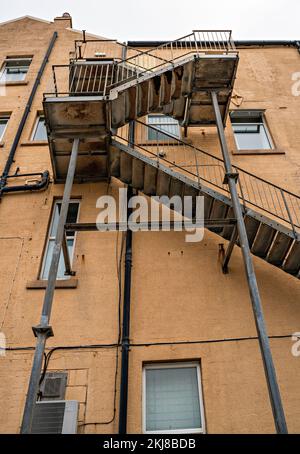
172	398
40	131
165	124
250	130
70	237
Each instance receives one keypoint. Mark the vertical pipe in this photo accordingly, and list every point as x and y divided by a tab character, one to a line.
44	330
274	393
37	81
126	327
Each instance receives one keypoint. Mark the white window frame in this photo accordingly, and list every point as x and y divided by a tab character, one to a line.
39	115
49	237
262	123
169	136
174	365
2	117
4	66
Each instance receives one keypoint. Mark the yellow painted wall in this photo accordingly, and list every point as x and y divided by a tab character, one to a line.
179	293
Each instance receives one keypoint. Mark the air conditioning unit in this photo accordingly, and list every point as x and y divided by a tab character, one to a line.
55	417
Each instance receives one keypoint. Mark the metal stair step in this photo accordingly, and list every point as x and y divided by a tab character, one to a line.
118	111
227	230
176	187
126	168
218	211
263	240
292	263
137	173
114	161
163	183
252	225
279	249
150	180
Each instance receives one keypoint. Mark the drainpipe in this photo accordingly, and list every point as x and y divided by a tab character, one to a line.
10	159
126	310
126	327
37	186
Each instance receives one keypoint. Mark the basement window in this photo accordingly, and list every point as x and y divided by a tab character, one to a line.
3	124
250	130
70	237
172	398
39	131
15	69
165	124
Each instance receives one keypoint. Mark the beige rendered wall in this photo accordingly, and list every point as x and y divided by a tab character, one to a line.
179	294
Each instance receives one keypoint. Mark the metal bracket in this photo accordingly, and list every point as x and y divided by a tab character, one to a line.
230	175
229	250
67	260
45	330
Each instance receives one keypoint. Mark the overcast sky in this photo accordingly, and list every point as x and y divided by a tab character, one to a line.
167	19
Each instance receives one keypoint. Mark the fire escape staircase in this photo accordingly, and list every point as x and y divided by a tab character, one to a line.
95	102
92	117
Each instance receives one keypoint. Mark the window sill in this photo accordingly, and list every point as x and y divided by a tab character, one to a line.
34	143
42	284
257	152
15	83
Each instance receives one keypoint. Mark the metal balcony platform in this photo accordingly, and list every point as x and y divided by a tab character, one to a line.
92	99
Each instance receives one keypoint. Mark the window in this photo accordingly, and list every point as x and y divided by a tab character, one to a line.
172	398
40	131
163	123
3	123
15	69
250	130
72	217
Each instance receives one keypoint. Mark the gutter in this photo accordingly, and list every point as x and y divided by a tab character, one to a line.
238	43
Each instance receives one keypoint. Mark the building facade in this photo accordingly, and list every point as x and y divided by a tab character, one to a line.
195	363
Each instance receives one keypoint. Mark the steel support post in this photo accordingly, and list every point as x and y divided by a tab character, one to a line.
44	330
274	393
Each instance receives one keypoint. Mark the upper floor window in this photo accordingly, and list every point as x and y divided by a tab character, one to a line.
172	398
3	123
40	131
250	130
70	237
165	124
15	69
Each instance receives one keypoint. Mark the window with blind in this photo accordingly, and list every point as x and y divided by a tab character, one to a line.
162	123
172	398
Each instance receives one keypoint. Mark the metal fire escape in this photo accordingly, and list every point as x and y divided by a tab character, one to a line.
94	133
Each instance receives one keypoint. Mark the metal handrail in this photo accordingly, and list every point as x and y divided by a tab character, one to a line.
140	64
209	169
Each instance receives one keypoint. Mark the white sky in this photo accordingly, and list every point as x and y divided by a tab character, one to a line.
167	19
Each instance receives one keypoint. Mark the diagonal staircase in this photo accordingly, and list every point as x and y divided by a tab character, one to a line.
169	166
